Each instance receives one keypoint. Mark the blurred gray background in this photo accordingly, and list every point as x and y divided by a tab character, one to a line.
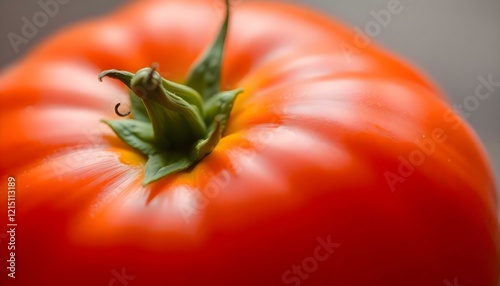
453	41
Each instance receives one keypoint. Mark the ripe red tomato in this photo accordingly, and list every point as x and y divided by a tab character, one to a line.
334	168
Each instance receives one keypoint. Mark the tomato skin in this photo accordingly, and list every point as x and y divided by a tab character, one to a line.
304	159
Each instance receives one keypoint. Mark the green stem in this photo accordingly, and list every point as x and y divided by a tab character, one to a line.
176	125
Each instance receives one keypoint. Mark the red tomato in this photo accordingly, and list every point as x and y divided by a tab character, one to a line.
334	168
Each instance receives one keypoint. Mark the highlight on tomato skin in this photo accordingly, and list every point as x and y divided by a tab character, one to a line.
171	143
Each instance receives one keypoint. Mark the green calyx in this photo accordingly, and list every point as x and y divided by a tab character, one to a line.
175	125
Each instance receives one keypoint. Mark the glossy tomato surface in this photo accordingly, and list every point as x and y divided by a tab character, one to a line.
340	165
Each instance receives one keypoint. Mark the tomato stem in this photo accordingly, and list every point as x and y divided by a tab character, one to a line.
175	125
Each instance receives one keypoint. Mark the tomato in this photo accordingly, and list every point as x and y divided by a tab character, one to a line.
338	164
